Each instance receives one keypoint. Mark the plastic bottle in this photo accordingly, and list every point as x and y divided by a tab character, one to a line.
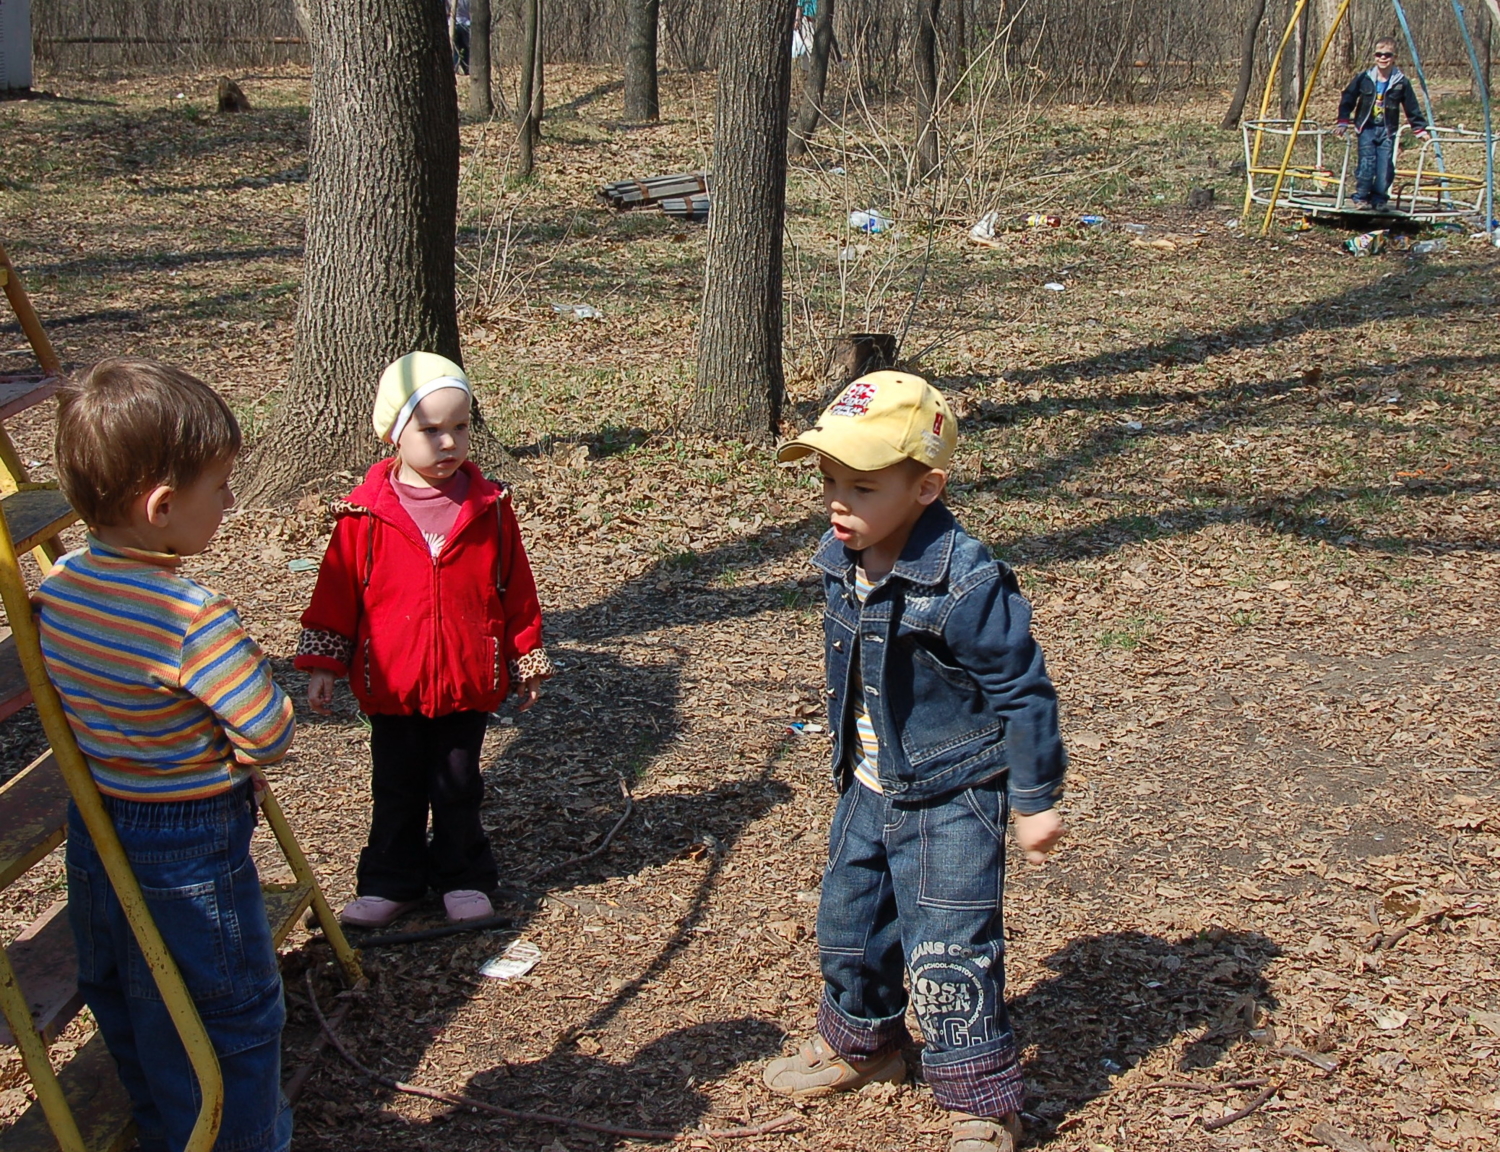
870	220
1423	247
1042	220
1091	221
1135	229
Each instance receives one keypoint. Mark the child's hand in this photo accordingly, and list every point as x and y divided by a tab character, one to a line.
320	691
530	689
1038	833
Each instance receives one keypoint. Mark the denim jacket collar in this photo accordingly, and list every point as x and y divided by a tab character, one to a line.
924	560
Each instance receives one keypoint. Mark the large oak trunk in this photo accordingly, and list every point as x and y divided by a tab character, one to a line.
378	278
740	381
641	99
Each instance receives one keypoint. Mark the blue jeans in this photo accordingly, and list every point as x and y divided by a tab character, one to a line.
916	888
192	859
1377	168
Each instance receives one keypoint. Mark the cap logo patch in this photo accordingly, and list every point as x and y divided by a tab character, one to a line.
855	401
937	424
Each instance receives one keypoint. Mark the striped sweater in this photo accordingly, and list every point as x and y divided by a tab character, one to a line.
168	695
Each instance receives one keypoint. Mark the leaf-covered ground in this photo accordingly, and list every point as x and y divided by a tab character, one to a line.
1250	486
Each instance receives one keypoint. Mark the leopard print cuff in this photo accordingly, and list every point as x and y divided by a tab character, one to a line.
534	663
328	645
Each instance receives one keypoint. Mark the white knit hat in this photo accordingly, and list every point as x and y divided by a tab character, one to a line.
404	385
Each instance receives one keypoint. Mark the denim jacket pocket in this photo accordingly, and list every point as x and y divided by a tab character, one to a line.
951	673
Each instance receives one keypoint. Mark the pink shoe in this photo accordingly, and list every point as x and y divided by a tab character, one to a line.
373	911
467	904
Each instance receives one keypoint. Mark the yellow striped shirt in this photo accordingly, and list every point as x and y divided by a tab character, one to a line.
167	694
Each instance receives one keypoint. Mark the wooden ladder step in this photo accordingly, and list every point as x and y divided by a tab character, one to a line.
20	392
15	691
34	515
98	1102
33	817
46	967
46	963
285	903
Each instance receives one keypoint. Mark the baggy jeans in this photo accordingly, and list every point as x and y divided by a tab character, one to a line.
192	859
1377	169
916	889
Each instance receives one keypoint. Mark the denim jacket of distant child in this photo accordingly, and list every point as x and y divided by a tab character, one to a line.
953	679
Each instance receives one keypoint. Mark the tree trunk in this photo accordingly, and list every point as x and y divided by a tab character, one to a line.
382	203
1286	79
641	98
740	381
538	92
526	104
956	57
1247	63
1299	87
481	101
924	67
815	84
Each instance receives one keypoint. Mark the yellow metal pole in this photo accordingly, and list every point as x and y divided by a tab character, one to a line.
80	782
30	325
1265	104
348	958
49	1093
1307	91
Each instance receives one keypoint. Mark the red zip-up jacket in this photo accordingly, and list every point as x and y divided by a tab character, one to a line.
417	633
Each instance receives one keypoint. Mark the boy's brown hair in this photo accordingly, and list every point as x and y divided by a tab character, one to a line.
128	425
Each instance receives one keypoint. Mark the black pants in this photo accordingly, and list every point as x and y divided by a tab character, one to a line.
423	762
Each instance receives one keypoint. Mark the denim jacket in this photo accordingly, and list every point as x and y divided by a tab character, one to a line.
954	681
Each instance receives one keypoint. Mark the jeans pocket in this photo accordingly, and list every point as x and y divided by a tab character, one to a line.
88	920
194	927
963	851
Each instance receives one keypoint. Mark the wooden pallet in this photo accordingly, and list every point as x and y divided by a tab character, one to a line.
653	189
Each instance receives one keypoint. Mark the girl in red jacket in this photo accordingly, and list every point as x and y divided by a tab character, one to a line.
425	600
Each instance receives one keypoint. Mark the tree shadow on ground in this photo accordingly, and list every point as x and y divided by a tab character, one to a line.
553	794
1118	997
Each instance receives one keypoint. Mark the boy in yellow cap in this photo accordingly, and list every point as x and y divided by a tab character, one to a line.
426	602
943	721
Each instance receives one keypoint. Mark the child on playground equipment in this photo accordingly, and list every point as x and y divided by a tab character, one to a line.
426	601
943	719
174	708
1371	104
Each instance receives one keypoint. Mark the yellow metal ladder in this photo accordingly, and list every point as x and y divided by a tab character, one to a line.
85	1108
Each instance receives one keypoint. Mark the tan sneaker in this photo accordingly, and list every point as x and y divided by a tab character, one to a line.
982	1134
817	1070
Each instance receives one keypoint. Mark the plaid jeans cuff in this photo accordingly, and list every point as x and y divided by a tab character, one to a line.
988	1085
859	1040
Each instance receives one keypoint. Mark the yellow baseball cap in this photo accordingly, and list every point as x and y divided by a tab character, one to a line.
880	420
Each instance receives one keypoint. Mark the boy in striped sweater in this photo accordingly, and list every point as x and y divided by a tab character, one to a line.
174	708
